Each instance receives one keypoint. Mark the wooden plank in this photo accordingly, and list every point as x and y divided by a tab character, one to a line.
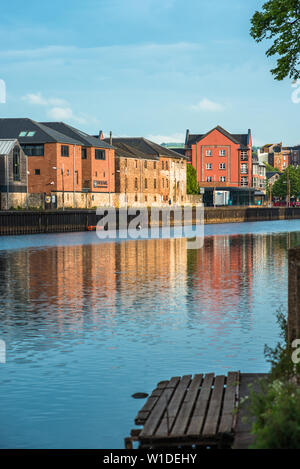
187	407
144	412
214	409
162	384
173	383
141	417
231	392
155	416
173	407
197	420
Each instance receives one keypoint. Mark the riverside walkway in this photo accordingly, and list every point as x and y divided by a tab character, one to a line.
196	411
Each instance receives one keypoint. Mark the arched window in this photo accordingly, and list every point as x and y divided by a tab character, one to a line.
16	164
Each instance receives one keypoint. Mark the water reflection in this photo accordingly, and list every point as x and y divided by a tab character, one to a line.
93	323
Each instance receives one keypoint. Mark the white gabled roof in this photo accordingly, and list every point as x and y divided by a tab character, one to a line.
6	145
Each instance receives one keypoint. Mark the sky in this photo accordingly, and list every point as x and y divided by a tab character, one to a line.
151	68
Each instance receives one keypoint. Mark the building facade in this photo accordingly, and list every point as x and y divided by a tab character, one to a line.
220	158
258	175
151	173
13	174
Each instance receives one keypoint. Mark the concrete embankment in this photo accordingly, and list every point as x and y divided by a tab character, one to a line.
27	222
243	214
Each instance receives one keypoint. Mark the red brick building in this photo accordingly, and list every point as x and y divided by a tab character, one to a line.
220	158
63	161
97	158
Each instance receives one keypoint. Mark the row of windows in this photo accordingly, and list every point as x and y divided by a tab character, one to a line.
165	198
244	180
38	150
37	172
147	164
136	186
221	166
221	153
221	179
244	154
33	150
146	185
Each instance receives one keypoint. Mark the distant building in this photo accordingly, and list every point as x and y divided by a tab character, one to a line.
258	175
172	146
295	155
13	174
272	177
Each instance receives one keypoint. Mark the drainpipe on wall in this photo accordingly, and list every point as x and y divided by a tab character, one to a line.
26	167
110	142
74	201
63	186
7	182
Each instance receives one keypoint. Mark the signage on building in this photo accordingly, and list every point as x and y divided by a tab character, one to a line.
100	184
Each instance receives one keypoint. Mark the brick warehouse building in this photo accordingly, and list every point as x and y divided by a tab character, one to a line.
154	174
63	162
137	175
223	161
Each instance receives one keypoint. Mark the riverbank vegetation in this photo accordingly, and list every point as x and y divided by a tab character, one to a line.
192	186
288	181
276	408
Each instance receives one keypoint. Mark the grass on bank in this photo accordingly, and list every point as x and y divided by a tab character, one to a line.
276	407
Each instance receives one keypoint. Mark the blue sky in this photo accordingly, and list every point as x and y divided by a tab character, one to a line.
148	68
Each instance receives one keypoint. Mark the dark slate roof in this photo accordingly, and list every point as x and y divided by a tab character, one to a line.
11	128
147	147
193	138
179	150
270	174
127	151
84	138
241	139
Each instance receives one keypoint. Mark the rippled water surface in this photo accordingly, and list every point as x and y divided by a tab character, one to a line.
87	323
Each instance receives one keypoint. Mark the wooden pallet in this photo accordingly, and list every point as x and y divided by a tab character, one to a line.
189	411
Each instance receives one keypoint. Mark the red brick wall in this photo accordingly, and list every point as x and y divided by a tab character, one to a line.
98	170
52	158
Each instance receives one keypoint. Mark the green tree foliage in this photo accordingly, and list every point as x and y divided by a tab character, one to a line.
280	186
279	21
270	168
192	186
277	411
276	407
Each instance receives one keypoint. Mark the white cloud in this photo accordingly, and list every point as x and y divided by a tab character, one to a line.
207	105
64	113
60	113
38	99
173	138
58	109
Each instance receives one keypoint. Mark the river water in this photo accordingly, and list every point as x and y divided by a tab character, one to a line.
89	322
